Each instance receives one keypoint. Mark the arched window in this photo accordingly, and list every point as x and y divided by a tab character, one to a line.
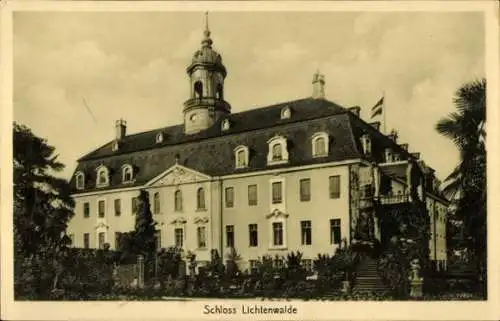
156	203
200	199
241	156
127	173
102	176
225	124
286	112
278	153
178	201
320	143
159	138
198	89
80	180
220	92
367	144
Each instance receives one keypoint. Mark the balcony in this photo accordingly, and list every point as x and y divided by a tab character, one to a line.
207	101
369	201
394	199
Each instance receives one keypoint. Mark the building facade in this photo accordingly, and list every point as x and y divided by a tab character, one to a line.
299	175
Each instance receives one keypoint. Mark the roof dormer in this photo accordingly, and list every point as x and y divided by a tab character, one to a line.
102	178
286	112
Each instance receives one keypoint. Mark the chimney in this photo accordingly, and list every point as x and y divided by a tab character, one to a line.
355	110
393	136
121	129
318	86
375	125
404	146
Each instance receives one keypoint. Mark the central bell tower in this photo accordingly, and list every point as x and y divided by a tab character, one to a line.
206	78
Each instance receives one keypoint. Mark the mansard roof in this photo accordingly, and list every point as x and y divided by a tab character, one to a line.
212	151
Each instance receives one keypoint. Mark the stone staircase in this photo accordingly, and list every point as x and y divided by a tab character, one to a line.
368	280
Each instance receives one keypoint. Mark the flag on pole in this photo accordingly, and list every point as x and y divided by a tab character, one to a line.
378	108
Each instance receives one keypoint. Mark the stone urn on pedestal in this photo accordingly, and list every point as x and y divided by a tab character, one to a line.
416	281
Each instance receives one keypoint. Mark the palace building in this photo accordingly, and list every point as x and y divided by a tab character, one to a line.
302	175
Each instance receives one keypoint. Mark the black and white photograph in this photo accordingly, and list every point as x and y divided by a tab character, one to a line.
248	161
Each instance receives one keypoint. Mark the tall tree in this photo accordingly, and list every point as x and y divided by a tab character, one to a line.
145	231
42	209
466	128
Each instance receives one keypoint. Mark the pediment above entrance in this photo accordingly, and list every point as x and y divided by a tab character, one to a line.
177	175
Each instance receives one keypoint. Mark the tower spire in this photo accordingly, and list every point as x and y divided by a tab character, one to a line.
207	41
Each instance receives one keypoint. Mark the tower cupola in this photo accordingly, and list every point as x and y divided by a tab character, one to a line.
206	72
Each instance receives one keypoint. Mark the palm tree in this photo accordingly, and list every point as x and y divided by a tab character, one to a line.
467	182
466	128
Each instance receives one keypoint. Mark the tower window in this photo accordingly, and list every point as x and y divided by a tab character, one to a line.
220	92
198	89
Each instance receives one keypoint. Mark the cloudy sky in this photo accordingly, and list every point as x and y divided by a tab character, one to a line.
132	65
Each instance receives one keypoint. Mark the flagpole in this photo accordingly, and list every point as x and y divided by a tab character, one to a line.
384	111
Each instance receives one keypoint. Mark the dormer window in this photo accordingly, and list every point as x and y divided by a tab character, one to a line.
80	180
115	146
286	113
225	125
278	152
241	156
102	176
366	143
320	144
159	138
388	155
127	173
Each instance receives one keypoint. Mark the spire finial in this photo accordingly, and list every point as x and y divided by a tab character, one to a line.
206	42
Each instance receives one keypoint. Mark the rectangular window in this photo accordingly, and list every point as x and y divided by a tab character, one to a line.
335	234
179	237
134	205
229	196
306	233
101	238
277	233
86	240
254	236
158	239
307	264
335	186
252	195
101	208
277	192
230	235
118	240
305	190
118	207
86	209
202	236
